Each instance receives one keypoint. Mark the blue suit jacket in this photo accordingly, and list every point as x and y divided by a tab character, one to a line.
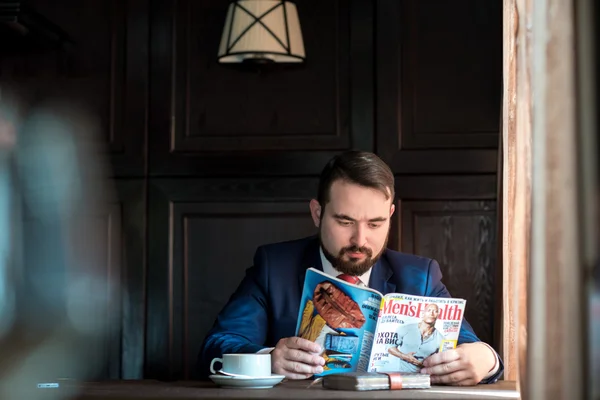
264	308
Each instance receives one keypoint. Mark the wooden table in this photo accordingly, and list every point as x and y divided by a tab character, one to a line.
288	390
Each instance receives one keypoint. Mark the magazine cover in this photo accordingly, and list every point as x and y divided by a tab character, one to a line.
412	328
341	318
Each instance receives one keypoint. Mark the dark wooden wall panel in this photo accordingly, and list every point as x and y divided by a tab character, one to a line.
438	188
212	119
214	264
213	229
103	72
461	236
313	114
450	104
113	244
438	85
131	195
100	248
105	255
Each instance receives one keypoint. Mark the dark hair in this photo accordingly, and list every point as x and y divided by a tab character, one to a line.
359	167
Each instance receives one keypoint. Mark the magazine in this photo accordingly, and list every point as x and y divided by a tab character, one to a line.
362	330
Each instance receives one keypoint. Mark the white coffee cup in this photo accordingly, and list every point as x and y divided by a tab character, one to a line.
244	364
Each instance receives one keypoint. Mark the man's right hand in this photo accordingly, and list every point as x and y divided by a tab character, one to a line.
297	358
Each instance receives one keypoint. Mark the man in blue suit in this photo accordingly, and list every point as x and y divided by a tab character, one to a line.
352	212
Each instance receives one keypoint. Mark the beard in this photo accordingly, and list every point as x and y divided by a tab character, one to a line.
351	266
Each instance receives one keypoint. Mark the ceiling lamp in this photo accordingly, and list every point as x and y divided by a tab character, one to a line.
262	31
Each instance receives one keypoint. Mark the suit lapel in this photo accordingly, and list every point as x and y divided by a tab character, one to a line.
311	258
380	277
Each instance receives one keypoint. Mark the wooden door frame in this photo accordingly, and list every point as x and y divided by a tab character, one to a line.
547	201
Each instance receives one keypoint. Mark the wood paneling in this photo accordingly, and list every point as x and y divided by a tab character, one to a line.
261	120
438	84
103	72
98	247
132	201
105	258
439	94
113	244
237	229
461	236
198	261
313	116
446	187
78	259
513	203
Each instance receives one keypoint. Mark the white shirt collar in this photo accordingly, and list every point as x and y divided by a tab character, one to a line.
329	270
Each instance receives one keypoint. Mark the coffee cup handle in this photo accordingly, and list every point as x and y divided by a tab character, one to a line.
213	363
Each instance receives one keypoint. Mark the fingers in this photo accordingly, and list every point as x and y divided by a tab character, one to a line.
441	358
291	375
457	367
458	378
449	368
304	357
295	369
443	369
295	358
302	344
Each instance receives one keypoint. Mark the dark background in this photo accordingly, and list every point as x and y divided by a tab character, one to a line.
210	161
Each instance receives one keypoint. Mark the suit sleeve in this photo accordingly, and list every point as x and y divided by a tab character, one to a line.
241	326
435	288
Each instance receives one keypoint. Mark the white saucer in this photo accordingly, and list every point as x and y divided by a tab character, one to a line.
259	382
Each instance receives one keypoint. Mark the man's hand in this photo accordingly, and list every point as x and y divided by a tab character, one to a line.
466	365
296	358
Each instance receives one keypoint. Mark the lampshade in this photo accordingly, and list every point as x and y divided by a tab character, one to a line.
262	31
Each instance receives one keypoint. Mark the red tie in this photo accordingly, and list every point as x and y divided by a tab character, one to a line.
351	279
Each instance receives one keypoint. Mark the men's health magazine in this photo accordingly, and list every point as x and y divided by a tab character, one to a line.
361	330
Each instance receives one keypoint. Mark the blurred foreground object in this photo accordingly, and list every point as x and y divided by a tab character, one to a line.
594	338
55	305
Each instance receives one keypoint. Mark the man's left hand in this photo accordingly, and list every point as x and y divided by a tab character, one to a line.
466	365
